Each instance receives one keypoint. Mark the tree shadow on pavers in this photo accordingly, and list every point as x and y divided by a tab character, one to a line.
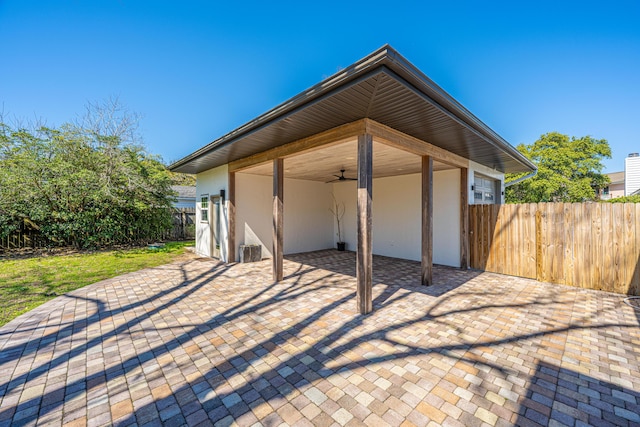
302	345
65	335
569	397
266	373
100	313
24	412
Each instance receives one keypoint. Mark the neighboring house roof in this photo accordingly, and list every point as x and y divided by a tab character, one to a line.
616	177
185	191
383	87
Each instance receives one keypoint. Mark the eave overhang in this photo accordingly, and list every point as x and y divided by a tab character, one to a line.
383	87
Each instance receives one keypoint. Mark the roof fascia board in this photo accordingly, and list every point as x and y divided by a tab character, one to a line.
324	139
457	119
417	79
394	138
342	79
385	59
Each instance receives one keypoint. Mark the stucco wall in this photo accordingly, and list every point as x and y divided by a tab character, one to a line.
308	223
211	182
397	220
310	226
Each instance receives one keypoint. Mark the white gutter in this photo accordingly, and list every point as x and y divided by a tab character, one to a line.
522	178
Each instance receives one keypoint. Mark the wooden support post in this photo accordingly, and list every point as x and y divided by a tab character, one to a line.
365	254
231	219
427	220
464	218
278	211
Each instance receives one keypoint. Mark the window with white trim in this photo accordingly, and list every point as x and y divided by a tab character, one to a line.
204	208
484	190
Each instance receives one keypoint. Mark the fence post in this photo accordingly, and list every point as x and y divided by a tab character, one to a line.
539	264
183	223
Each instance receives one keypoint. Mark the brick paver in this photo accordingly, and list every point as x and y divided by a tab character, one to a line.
203	343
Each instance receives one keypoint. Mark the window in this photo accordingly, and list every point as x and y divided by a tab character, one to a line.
204	208
484	190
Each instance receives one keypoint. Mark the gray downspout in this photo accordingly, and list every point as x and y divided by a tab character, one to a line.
522	178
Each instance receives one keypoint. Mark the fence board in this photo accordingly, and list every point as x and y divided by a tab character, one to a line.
607	248
511	248
497	255
629	232
529	235
556	232
634	287
590	245
568	230
594	247
579	232
618	246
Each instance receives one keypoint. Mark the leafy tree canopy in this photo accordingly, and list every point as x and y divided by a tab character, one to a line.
85	184
178	178
569	170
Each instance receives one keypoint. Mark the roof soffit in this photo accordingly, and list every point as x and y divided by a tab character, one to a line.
386	95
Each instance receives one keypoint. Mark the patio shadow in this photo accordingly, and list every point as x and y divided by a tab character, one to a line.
228	345
388	271
569	397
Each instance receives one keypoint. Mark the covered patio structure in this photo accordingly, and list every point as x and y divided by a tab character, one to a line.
379	119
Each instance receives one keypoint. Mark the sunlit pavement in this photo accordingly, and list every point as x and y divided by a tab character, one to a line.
202	343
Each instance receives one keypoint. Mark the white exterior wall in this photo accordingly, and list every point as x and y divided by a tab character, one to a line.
631	175
308	224
397	219
211	182
488	172
185	203
254	212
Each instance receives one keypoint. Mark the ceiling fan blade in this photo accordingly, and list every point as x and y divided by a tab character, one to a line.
341	177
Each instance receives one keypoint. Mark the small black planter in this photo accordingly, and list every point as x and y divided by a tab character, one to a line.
342	246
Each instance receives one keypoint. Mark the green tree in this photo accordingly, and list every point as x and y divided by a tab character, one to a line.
86	186
569	170
178	178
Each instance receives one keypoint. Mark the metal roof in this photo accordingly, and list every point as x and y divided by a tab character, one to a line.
616	177
383	87
185	191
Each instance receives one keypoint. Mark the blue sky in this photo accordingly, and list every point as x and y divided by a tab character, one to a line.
196	70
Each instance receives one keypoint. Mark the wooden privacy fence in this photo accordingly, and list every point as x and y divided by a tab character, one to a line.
589	245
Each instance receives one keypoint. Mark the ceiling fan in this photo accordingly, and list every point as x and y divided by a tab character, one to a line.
341	177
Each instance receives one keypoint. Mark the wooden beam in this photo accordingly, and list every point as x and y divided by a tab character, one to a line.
365	255
389	136
231	219
330	137
278	211
427	220
464	218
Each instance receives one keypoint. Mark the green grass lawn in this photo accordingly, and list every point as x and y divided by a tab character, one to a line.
28	282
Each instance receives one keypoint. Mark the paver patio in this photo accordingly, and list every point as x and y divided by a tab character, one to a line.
201	343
